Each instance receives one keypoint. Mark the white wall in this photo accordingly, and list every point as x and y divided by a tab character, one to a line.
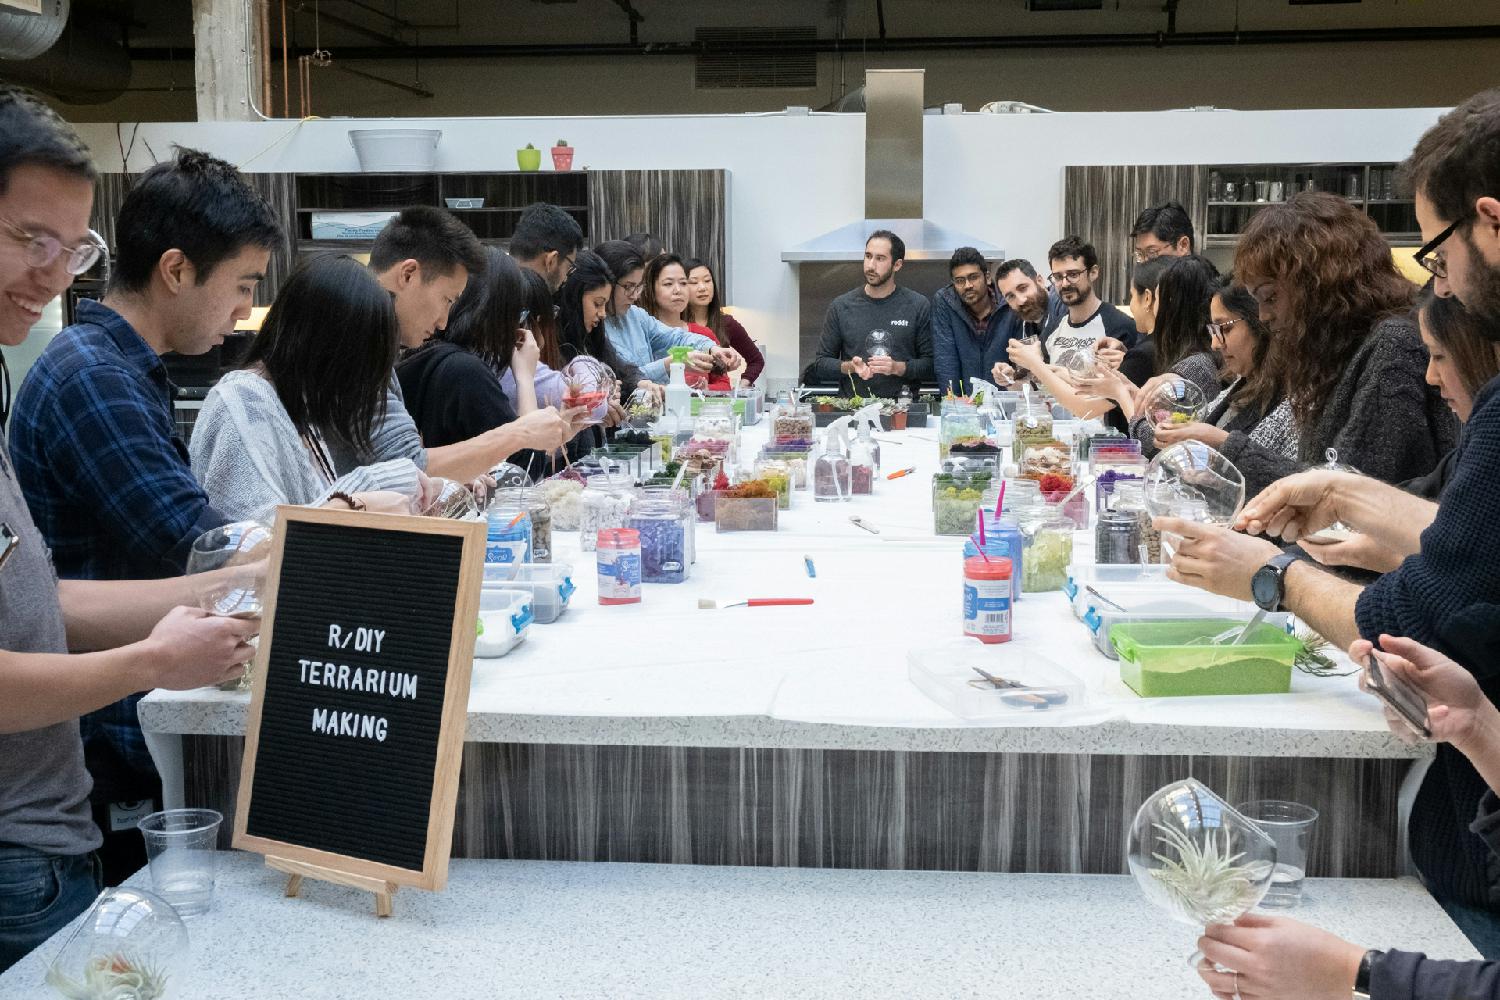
793	178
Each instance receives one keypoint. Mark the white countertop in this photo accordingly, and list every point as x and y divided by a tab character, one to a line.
558	929
834	675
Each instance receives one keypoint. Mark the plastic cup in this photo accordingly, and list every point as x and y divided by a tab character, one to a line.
1290	824
181	851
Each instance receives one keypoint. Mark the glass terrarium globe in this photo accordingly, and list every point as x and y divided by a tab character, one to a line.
452	500
644	408
230	562
1196	858
126	948
1193	481
588	383
1175	402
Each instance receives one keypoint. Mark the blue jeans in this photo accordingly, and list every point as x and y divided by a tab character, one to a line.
39	895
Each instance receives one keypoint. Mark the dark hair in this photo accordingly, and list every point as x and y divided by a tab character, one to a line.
1014	264
328	345
646	246
1461	335
1168	222
621	257
715	305
33	135
1457	161
195	203
898	245
1336	271
968	255
1183	294
433	238
1073	246
541	318
486	316
1146	276
573	339
654	267
1260	383
545	228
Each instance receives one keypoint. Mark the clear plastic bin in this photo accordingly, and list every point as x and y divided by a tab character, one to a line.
549	584
745	513
504	618
1106	579
1158	659
1195	606
943	672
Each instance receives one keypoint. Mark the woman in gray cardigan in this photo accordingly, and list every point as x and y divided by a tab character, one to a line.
316	374
1344	348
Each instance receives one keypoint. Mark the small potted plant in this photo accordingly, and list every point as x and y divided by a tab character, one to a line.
562	156
529	158
918	412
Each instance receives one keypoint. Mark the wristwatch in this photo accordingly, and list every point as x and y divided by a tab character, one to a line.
1268	585
1362	977
353	502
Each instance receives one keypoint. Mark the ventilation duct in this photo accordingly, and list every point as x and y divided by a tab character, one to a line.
26	36
84	67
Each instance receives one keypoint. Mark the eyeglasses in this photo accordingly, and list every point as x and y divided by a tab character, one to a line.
632	288
1427	257
1066	277
41	251
1149	253
1219	331
966	280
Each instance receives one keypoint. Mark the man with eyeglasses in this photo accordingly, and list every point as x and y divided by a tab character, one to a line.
49	872
970	325
1446	594
1163	230
547	241
1073	340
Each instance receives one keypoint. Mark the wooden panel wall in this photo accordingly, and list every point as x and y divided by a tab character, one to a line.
1101	203
859	809
687	210
278	189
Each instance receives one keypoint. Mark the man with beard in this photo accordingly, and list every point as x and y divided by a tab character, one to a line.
1446	594
1073	339
877	339
970	325
1033	307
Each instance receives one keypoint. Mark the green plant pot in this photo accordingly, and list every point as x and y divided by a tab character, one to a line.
529	159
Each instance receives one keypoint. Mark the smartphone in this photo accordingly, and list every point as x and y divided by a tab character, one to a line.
1405	700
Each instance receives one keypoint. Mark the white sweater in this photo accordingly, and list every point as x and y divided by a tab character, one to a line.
249	458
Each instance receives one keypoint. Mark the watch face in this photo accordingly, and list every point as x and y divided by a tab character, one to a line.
1264	588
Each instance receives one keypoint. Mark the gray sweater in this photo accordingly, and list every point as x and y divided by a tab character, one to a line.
1382	417
856	323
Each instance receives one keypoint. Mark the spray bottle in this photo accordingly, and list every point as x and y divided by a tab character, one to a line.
679	396
867	420
831	473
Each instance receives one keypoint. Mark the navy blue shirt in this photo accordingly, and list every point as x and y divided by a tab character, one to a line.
97	454
961	350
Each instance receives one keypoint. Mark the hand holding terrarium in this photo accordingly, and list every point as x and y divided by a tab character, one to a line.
1198	859
1194	482
228	565
588	384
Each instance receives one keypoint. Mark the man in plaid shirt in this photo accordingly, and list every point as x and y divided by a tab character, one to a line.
93	439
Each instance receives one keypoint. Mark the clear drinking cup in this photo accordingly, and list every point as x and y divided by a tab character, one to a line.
1290	824
181	850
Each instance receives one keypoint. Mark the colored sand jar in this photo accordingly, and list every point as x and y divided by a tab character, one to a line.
1049	550
664	553
619	566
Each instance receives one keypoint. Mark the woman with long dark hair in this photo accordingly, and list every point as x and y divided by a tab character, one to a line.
315	375
638	336
706	309
452	383
1345	350
1243	342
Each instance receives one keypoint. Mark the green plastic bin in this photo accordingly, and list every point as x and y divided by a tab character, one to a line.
1156	660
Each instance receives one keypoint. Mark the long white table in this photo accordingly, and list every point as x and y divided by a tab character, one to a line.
555	930
832	678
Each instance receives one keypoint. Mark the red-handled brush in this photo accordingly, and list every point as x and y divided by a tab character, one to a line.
709	604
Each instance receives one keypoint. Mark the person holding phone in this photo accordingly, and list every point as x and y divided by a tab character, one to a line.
1276	958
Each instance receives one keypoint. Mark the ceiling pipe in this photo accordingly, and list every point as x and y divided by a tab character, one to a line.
896	45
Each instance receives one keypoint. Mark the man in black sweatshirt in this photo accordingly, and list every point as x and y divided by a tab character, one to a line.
879	336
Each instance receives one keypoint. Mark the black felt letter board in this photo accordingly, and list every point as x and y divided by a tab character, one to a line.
355	795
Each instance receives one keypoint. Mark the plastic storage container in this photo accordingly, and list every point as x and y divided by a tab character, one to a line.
944	672
504	618
1103	578
745	513
619	559
1195	607
665	556
549	584
1158	661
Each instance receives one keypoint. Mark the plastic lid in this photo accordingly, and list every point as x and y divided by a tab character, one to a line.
618	538
982	569
943	672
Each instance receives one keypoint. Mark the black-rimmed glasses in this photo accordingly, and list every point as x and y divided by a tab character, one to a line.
1427	257
1220	331
41	251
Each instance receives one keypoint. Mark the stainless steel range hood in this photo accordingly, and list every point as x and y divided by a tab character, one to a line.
893	181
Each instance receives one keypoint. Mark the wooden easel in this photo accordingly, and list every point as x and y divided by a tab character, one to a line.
298	870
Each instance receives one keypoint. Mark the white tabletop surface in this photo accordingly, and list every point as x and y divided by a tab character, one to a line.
834	674
557	929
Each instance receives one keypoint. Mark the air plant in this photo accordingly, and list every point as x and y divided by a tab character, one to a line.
1206	883
110	977
1313	659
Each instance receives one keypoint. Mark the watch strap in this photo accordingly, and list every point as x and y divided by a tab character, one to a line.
1362	977
353	502
1277	566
